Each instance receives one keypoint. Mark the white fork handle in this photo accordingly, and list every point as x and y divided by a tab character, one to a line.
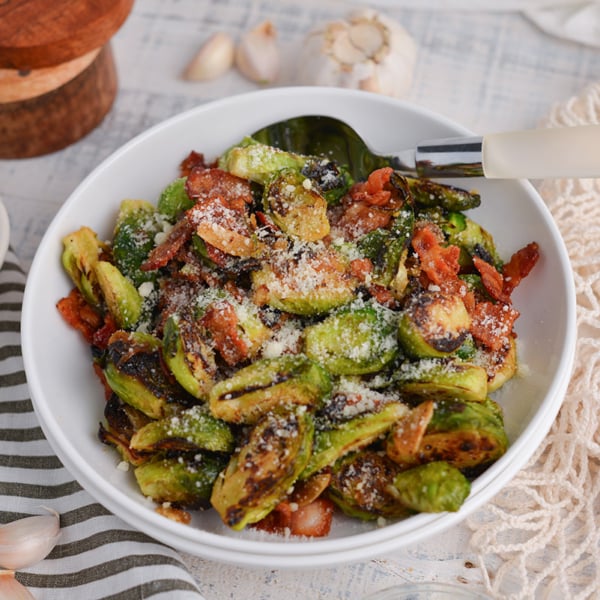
543	153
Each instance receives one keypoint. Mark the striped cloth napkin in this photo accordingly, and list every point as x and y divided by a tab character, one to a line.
98	556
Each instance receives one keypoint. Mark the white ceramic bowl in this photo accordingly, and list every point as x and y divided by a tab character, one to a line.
69	401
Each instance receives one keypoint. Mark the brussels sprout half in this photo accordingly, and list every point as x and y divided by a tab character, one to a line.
269	382
260	474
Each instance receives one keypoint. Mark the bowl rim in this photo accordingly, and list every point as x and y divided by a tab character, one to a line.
313	552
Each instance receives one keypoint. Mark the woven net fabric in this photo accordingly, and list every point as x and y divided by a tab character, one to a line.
540	537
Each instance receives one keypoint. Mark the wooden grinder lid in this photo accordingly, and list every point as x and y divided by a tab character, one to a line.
57	75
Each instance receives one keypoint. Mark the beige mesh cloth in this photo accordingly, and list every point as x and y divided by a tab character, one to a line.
540	537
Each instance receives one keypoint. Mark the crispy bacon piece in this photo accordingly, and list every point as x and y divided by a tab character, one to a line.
221	321
75	310
492	324
377	190
439	263
166	251
491	279
369	205
501	285
193	159
207	184
359	218
361	268
103	333
519	266
310	520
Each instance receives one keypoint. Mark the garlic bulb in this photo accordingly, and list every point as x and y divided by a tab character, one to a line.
214	58
257	55
11	589
368	51
27	541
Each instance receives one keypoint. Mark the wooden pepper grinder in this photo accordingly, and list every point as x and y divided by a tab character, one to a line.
57	73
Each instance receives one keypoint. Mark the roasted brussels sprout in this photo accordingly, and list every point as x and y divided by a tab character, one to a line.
501	364
360	484
233	324
257	162
185	480
122	298
188	356
471	238
442	379
356	433
353	340
310	279
134	238
464	434
81	253
433	487
387	250
404	441
193	428
332	180
296	206
430	193
260	474
174	199
266	384
133	370
433	324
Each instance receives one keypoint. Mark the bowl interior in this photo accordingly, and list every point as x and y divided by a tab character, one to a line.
69	401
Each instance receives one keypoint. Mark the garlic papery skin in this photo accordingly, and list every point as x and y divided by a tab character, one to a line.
29	540
257	55
214	58
11	589
367	51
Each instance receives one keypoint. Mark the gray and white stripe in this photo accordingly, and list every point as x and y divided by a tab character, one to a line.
99	557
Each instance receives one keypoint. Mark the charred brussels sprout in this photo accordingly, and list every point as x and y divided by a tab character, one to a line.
332	444
266	384
134	372
501	364
353	341
185	480
188	356
387	250
122	298
135	231
332	180
360	484
465	434
257	162
259	476
431	194
311	279
433	487
442	379
174	199
471	238
296	206
81	253
433	324
194	428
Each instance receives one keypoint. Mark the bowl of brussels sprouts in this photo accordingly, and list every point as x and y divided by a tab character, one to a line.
270	358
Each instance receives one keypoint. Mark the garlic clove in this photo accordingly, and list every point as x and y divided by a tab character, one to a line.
214	58
26	541
257	55
367	51
11	589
